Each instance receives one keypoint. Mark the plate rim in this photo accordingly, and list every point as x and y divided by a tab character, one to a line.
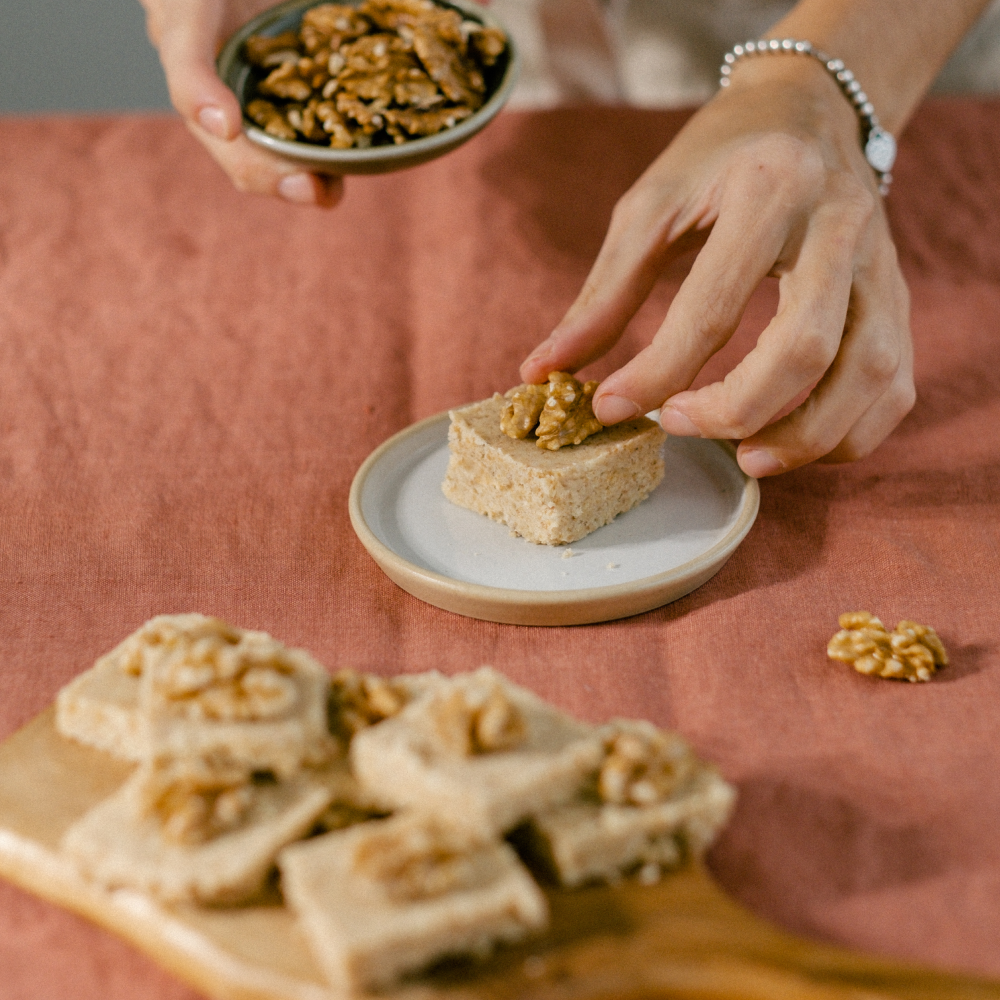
507	600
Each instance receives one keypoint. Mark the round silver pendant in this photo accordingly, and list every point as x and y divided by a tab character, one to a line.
880	150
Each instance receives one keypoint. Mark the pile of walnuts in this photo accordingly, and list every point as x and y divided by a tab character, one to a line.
383	72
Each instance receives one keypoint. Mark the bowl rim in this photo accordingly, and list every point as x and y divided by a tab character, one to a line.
230	61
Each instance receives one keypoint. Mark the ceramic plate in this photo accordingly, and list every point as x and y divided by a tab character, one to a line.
464	562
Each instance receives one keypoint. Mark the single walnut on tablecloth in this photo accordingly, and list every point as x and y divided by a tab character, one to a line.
911	652
560	412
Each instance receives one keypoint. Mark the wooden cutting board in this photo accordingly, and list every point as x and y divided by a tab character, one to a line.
679	940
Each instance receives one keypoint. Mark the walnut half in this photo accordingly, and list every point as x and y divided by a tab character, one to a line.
196	799
644	765
228	675
418	859
911	652
360	700
471	723
561	412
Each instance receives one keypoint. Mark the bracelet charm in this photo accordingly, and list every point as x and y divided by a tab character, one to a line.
879	145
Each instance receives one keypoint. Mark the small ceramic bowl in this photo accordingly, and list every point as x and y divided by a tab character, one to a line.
236	72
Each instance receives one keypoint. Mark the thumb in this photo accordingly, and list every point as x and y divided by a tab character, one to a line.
188	40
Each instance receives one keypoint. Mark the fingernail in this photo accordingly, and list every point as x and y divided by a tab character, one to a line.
536	357
298	188
759	463
213	120
541	352
613	409
677	423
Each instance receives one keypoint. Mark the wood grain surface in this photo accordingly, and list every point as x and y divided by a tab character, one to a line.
679	940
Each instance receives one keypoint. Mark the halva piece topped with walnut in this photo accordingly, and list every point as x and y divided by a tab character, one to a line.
187	684
478	749
200	830
649	805
390	896
212	687
538	460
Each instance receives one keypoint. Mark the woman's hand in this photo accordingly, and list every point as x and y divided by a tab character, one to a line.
771	171
188	35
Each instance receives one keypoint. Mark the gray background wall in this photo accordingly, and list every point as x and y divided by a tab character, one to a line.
77	55
93	55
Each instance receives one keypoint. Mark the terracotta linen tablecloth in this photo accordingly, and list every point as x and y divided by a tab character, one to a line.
189	379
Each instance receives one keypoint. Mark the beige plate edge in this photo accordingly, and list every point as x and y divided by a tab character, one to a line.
545	607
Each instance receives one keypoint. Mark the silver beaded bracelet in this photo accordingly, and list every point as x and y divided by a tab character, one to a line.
878	144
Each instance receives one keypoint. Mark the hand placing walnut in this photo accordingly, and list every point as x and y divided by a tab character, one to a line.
560	412
911	652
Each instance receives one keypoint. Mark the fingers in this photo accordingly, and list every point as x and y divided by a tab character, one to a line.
783	193
801	341
187	34
761	207
254	170
864	395
647	227
882	418
841	331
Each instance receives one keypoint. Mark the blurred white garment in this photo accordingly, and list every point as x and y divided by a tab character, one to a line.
666	53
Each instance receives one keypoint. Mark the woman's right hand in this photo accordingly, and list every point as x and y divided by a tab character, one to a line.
188	35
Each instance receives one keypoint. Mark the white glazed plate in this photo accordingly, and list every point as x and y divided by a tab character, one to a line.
464	562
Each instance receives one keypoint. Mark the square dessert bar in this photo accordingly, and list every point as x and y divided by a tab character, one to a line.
478	749
100	708
653	803
241	694
549	497
121	843
187	685
389	896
